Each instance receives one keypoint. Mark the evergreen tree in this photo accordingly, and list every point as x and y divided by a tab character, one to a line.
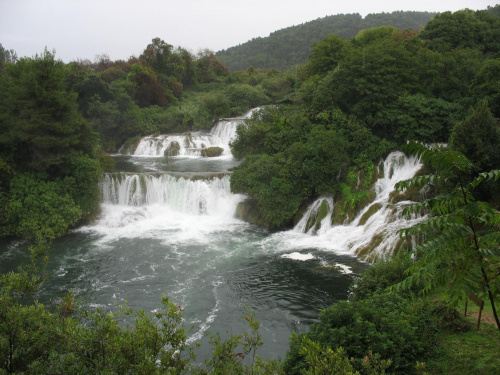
40	126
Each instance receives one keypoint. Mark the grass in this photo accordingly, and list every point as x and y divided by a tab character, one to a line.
473	352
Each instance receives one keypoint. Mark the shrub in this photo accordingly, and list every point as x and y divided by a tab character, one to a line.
384	324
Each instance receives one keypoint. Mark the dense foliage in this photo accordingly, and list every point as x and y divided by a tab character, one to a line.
48	152
356	100
291	46
462	250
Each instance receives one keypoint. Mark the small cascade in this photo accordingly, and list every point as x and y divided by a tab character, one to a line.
189	144
373	232
199	196
192	144
316	217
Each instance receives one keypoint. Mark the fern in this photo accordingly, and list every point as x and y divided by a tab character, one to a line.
462	248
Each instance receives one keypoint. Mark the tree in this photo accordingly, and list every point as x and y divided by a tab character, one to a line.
40	210
147	90
40	125
386	327
421	118
376	72
486	84
156	55
463	29
326	55
7	56
208	68
478	138
461	252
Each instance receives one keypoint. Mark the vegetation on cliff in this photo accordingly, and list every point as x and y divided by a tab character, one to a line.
356	100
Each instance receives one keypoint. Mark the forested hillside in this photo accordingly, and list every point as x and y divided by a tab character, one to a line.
291	46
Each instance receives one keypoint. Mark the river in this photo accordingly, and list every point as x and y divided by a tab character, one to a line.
167	226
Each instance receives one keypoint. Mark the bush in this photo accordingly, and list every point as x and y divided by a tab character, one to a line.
39	209
380	276
384	324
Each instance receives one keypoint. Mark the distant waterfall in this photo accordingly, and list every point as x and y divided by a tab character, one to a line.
377	237
192	144
207	196
184	145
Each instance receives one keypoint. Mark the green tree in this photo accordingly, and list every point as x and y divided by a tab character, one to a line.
486	84
386	327
478	138
147	90
326	55
7	56
461	253
421	118
40	125
208	68
156	55
81	182
40	210
463	29
378	71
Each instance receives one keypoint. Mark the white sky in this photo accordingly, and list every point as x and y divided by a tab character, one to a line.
122	28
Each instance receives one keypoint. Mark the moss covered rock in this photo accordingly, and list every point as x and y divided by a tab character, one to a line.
212	152
369	213
130	145
248	211
172	149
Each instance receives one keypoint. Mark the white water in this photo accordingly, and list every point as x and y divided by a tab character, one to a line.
174	233
385	222
210	195
191	144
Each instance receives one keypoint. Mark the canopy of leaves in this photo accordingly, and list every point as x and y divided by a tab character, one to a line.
478	138
461	252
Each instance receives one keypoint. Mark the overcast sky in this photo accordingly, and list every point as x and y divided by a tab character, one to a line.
82	29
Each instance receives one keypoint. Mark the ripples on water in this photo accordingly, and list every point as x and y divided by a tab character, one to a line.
210	263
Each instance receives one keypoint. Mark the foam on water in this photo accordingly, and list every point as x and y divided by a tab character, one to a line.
385	222
176	234
299	256
191	144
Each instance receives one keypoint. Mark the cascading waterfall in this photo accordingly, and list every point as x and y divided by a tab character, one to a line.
377	237
192	144
168	227
175	145
207	195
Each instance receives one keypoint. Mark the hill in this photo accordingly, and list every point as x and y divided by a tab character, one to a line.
291	46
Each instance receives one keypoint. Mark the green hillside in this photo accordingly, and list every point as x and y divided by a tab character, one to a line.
290	46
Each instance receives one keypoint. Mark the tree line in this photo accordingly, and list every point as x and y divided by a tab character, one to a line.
285	48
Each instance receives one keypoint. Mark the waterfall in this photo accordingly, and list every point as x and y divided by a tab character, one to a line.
189	144
192	143
373	235
191	196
